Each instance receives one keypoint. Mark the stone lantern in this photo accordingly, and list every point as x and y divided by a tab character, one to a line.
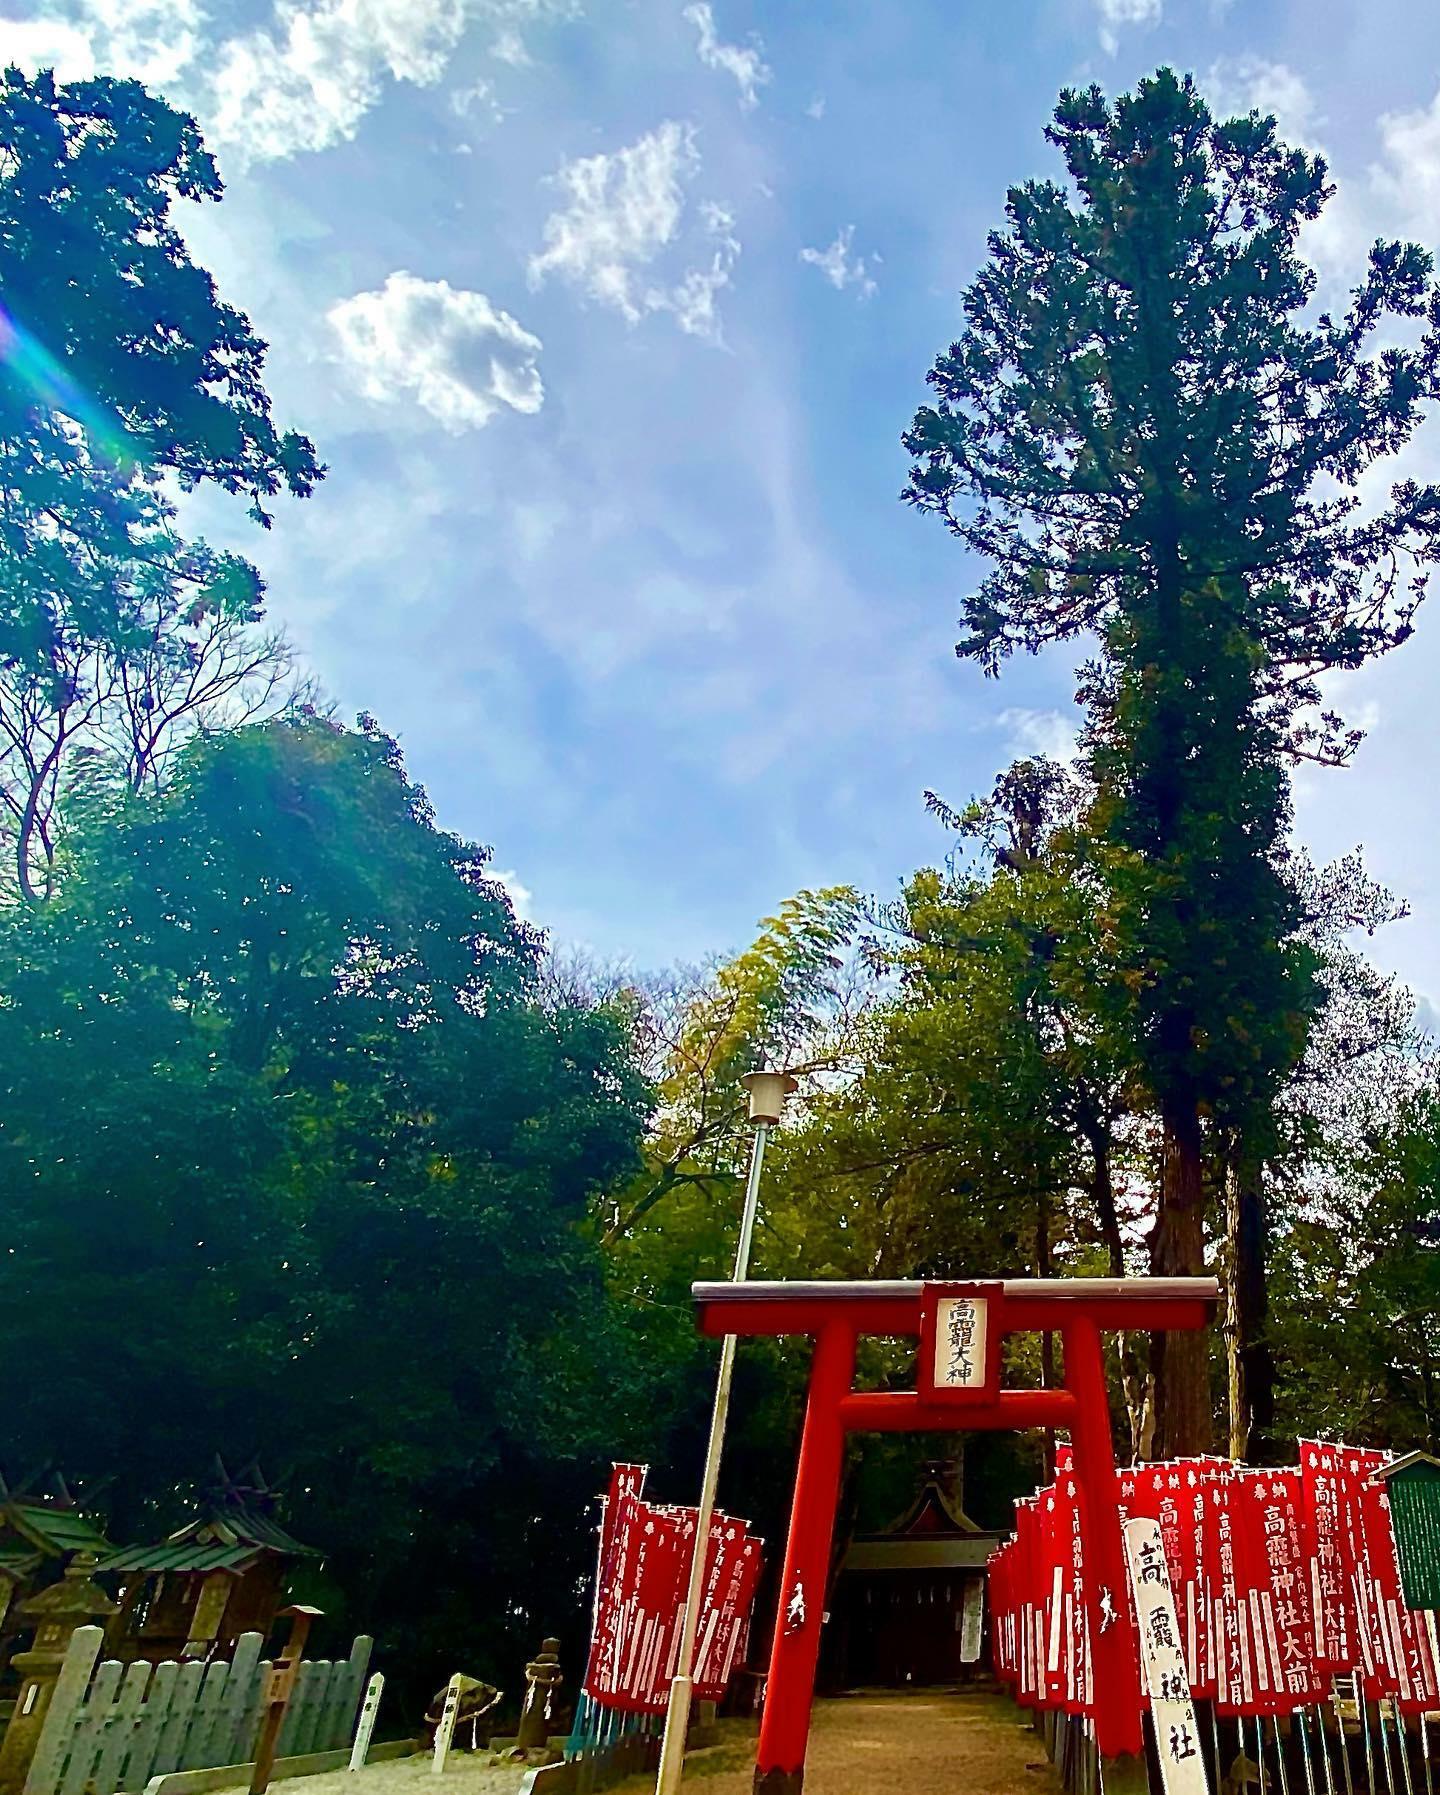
57	1611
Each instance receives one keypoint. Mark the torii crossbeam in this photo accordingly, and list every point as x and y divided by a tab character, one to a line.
960	1327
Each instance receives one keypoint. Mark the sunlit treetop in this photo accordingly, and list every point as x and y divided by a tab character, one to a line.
1143	378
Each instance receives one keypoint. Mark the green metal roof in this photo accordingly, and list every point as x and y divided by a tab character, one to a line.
56	1530
180	1555
229	1539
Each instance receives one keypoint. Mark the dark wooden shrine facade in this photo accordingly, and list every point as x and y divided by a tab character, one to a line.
898	1608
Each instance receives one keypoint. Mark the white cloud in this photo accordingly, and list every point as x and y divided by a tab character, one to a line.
1114	13
510	47
749	67
842	269
1033	732
478	99
624	211
153	40
1398	195
303	79
520	895
449	351
307	81
1409	180
47	44
1252	84
816	108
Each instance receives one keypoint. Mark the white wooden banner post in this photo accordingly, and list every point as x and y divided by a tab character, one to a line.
1162	1668
972	1620
369	1708
446	1729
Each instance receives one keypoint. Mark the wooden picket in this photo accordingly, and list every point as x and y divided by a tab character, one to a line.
177	1725
150	1728
89	1723
285	1745
110	1727
346	1706
118	1734
54	1740
232	1741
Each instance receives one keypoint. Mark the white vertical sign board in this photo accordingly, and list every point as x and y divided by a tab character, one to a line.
369	1708
961	1343
445	1732
972	1619
1162	1663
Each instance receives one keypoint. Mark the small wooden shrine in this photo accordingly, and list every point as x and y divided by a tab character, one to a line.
909	1600
220	1575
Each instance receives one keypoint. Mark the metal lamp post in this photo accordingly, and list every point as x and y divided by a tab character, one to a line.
768	1091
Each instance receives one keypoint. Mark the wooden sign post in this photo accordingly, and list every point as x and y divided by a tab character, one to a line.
278	1690
369	1708
1162	1667
972	1620
1413	1486
445	1732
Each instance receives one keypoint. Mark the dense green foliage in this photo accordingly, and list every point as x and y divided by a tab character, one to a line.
294	1162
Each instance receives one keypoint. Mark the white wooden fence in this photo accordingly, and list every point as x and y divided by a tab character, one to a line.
112	1727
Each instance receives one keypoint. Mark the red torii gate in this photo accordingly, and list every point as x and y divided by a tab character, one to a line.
960	1327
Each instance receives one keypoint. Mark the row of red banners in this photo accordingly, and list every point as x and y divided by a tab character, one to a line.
1283	1580
644	1571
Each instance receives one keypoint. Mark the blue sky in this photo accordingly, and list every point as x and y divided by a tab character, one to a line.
607	316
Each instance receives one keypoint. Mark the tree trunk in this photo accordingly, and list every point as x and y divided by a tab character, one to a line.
1249	1364
1180	1362
1132	1378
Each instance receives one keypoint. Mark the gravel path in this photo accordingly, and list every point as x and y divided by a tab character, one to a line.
879	1744
929	1743
465	1774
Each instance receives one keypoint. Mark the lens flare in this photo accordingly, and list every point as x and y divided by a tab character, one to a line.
49	383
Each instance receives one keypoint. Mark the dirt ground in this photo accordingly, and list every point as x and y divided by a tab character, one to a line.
930	1743
464	1775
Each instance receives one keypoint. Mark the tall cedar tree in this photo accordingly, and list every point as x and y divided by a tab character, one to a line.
1155	441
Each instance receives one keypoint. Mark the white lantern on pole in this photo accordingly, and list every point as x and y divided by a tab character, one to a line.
767	1092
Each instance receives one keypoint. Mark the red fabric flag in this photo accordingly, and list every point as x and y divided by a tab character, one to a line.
1324	1526
1409	1668
1079	1693
644	1571
1027	1688
730	1593
1277	1590
1229	1620
1367	1528
1053	1539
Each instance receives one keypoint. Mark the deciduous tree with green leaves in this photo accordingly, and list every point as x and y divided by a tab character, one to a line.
1155	440
123	374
